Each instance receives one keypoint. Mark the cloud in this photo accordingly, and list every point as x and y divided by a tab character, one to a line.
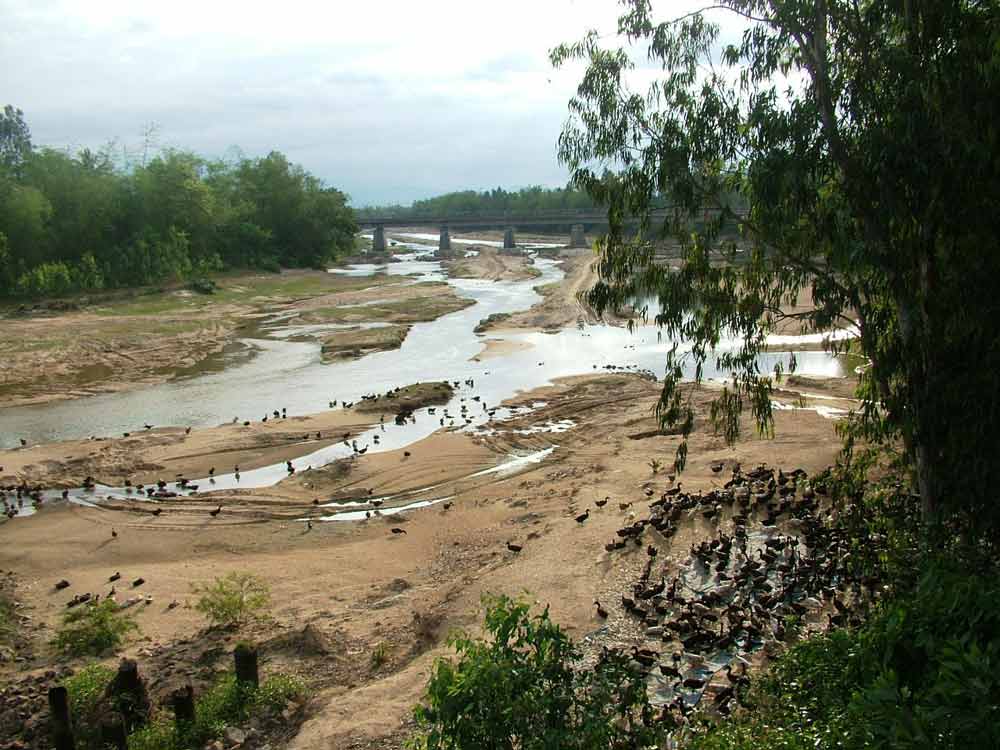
389	101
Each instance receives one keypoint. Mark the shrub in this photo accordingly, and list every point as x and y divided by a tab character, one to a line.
380	654
233	600
93	629
523	688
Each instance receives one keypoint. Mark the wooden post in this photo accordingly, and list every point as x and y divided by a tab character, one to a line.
183	701
245	659
62	727
113	733
129	695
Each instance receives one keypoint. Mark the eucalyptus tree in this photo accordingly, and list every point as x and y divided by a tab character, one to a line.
855	143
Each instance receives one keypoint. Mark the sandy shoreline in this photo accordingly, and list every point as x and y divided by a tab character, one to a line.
446	561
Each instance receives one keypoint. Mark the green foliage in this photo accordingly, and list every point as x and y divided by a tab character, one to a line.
85	689
77	222
524	688
228	702
93	629
233	600
15	140
379	655
838	146
529	200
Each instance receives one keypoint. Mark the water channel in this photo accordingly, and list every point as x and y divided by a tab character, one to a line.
284	373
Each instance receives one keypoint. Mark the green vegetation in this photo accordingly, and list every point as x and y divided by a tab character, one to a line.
529	200
869	184
72	222
93	629
233	600
523	688
86	689
379	654
227	703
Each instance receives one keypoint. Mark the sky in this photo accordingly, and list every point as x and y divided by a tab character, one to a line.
389	101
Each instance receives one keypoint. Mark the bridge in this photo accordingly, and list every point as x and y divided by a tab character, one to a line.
579	222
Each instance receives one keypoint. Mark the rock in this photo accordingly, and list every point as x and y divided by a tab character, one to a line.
398	585
234	736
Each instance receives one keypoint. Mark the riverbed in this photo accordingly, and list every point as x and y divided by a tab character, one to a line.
270	370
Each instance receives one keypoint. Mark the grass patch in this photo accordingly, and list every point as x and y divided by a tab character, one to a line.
227	703
85	689
93	629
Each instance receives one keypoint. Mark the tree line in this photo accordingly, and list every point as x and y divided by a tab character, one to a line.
83	221
529	200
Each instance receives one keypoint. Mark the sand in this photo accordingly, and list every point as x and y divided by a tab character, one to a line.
359	584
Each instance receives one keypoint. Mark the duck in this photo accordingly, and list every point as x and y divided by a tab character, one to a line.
396	530
515	548
214	513
601	611
583	516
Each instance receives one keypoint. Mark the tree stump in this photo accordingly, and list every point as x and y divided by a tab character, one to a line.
245	659
183	702
62	727
128	695
113	733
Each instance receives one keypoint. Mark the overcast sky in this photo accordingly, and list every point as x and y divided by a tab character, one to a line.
387	100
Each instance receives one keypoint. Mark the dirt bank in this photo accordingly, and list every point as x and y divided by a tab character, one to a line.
561	303
356	342
492	265
408	398
149	336
359	586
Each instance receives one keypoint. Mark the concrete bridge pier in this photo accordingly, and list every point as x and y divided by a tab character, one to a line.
576	238
445	242
508	239
378	239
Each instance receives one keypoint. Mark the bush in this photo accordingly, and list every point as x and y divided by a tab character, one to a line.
523	688
234	600
93	629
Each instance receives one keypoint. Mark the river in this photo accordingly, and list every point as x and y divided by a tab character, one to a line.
287	374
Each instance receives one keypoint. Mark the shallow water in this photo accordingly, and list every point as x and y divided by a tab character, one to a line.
289	374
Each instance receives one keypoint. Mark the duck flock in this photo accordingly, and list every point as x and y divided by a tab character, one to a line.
15	497
747	586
